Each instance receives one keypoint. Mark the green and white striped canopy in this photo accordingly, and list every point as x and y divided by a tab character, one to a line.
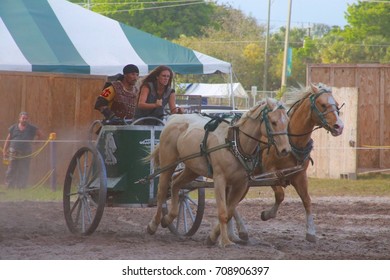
59	36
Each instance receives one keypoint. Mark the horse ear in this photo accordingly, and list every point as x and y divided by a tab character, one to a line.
314	88
270	103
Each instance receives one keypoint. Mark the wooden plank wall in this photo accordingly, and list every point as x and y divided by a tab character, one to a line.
57	103
335	157
373	119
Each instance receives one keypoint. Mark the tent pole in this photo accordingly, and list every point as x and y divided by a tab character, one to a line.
231	89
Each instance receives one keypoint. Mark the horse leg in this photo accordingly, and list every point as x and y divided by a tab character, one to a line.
234	196
243	236
301	186
220	197
162	192
241	227
279	197
212	238
184	177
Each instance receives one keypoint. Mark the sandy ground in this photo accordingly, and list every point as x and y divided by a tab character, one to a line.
347	228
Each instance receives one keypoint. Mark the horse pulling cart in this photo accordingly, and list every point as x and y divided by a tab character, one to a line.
107	173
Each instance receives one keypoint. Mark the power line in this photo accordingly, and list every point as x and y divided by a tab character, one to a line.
147	2
183	3
282	42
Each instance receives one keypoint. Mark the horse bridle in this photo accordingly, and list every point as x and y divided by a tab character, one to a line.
321	115
270	134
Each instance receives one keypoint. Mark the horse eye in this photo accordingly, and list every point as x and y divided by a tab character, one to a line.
273	123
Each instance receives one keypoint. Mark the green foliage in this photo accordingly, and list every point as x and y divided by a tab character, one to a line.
368	19
235	38
226	33
365	40
162	18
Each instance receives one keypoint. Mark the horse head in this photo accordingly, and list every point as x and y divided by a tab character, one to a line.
326	109
275	120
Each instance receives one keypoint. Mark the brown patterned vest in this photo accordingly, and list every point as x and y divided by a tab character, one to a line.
125	101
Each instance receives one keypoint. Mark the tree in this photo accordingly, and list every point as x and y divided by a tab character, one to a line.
236	38
162	18
303	51
367	19
366	38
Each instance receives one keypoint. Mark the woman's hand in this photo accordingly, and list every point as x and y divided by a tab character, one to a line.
177	110
159	103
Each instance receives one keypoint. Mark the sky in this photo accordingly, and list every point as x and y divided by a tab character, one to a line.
303	12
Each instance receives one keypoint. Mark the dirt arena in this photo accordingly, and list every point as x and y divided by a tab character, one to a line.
347	228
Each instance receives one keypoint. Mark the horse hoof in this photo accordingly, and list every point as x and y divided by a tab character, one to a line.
150	231
236	239
263	217
243	236
311	238
164	222
210	242
240	241
228	244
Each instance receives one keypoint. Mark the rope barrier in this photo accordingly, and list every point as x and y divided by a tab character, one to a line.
51	138
44	179
376	147
55	141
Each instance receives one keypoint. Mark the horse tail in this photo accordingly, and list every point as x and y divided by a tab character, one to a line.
154	156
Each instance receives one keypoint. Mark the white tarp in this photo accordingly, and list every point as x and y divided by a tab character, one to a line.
215	90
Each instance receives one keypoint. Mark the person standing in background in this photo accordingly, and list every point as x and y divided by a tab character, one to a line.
17	150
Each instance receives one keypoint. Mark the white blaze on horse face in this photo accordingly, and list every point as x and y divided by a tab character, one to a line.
339	125
331	100
284	119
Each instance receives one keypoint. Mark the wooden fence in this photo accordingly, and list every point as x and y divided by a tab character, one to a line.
59	103
373	102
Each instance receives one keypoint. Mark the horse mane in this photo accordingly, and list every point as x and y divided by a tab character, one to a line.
259	106
294	96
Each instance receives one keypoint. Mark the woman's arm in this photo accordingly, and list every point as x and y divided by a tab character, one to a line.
172	105
143	96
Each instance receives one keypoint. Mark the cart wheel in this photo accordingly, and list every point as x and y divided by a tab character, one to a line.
94	131
85	191
190	213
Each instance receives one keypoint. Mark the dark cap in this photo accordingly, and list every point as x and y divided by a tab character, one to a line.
130	68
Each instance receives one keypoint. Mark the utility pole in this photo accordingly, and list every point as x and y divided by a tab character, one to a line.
286	43
266	50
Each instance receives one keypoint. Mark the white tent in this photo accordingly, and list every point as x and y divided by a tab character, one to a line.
59	36
216	90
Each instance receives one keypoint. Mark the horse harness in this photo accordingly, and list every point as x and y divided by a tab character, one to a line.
303	154
248	161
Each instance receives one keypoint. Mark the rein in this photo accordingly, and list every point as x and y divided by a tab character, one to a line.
321	115
161	170
248	161
303	154
270	133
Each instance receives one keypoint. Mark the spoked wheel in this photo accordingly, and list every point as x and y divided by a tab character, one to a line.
190	212
85	191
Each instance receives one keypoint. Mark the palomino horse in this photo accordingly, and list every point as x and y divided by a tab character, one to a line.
229	152
315	106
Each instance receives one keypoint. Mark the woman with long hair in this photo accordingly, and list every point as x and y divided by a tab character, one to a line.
155	93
